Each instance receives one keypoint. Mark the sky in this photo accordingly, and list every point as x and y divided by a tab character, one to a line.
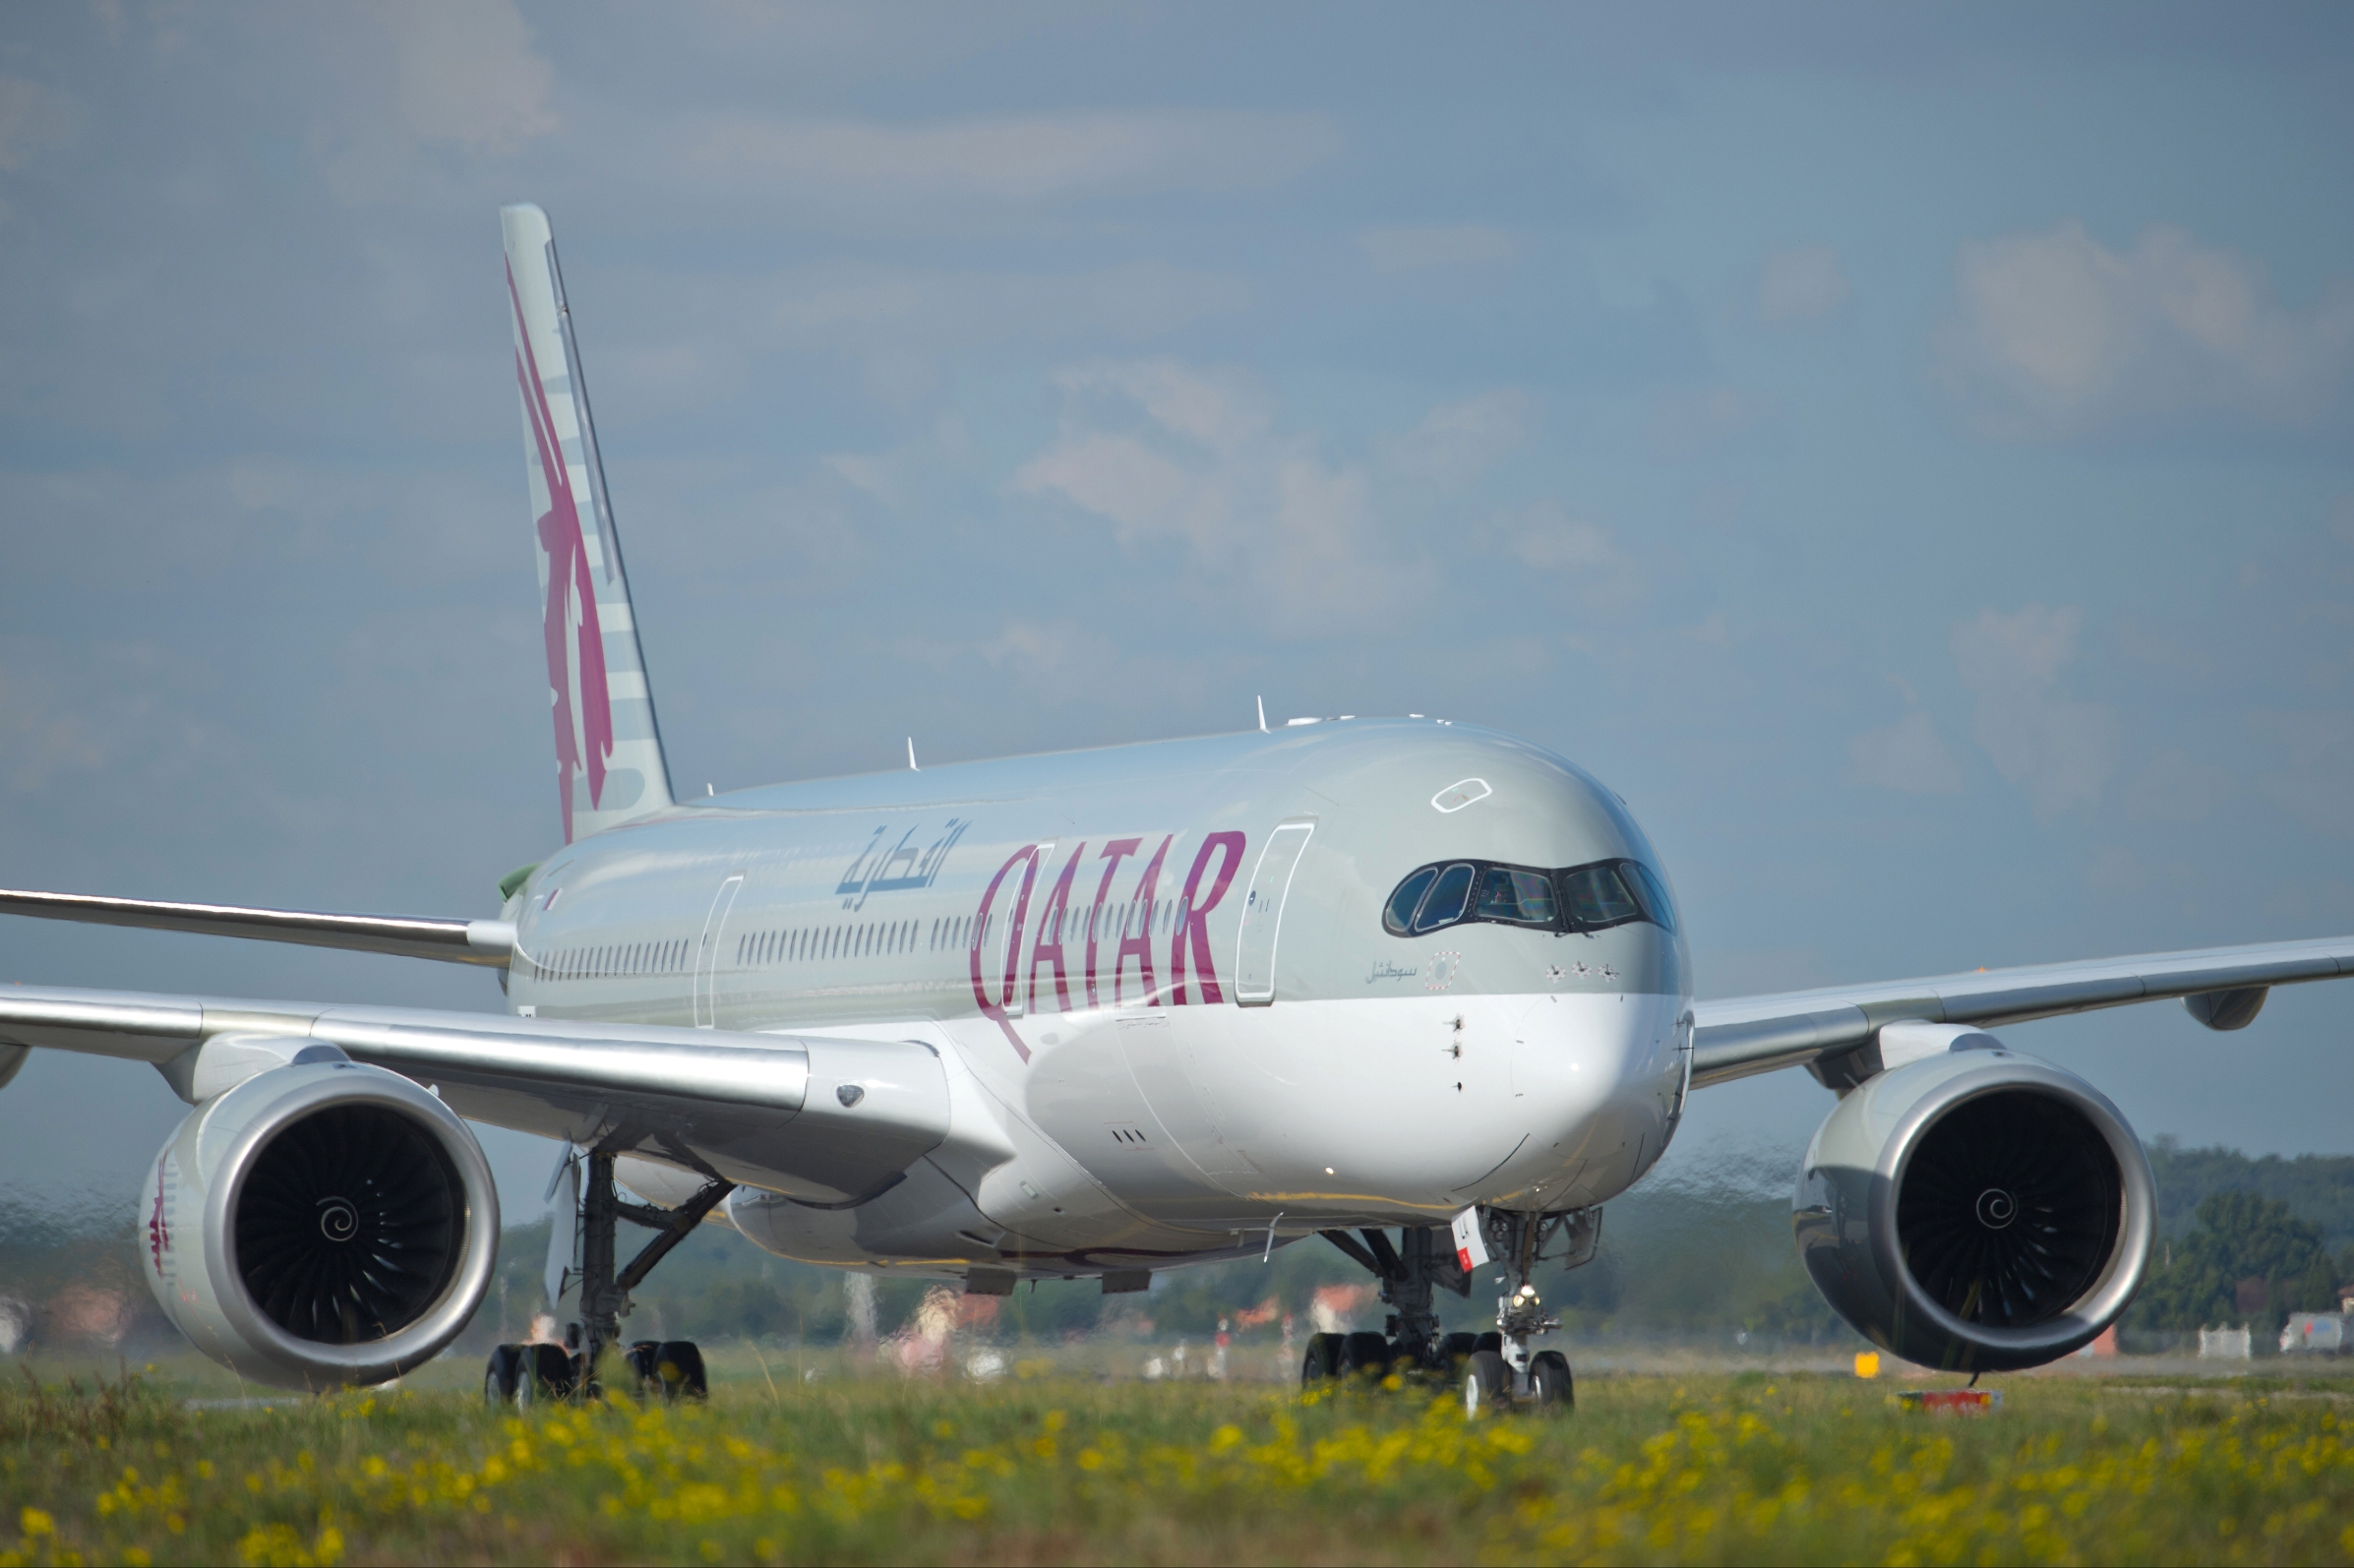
1902	449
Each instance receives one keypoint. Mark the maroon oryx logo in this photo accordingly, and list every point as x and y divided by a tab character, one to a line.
158	1233
569	585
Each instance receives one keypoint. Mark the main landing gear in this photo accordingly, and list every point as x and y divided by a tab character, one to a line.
525	1374
1495	1371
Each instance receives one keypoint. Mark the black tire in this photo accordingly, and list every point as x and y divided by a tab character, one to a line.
1489	1341
500	1377
640	1357
1486	1385
680	1366
1323	1360
1366	1353
1456	1349
1549	1382
544	1372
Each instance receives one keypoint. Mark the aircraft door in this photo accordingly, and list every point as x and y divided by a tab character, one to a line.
1263	911
706	955
1006	930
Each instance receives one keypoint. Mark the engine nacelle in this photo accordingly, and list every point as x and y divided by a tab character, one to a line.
1976	1210
320	1224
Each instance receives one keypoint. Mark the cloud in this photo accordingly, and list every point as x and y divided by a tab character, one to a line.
2059	751
1804	284
465	74
1014	157
34	119
1909	755
1685	423
2056	336
118	710
1415	249
1132	300
1456	443
421	104
1546	538
1164	452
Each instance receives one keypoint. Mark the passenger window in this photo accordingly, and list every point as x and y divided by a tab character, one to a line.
1448	896
1598	897
1523	898
1397	918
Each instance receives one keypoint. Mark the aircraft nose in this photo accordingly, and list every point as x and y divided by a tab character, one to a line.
1595	1077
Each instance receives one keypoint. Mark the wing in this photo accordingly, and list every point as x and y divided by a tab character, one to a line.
825	1120
489	942
1745	1035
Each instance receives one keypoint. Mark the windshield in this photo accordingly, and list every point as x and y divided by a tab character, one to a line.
1574	898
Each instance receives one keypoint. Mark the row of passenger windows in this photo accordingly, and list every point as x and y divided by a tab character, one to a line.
948	933
627	958
1575	898
858	940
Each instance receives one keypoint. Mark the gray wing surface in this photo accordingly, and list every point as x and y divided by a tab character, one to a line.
1741	1036
489	942
762	1110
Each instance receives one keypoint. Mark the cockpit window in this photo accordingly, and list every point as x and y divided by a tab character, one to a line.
1397	917
1656	902
1518	898
1576	898
1598	897
1448	895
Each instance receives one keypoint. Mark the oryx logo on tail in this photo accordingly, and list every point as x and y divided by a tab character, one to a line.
578	694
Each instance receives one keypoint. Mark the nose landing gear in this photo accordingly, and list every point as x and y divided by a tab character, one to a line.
1496	1370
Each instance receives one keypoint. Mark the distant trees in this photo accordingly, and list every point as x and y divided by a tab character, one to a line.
2247	1258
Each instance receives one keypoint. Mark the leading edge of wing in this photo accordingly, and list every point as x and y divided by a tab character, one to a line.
488	943
707	1098
1741	1036
765	1072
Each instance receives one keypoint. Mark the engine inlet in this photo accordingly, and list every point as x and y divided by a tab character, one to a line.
349	1224
2010	1209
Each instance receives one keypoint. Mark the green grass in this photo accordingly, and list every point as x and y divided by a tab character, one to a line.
1753	1467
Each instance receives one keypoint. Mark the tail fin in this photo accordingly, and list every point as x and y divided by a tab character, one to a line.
609	763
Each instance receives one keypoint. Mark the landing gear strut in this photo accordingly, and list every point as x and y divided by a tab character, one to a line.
522	1372
1497	1369
1519	1243
1409	1272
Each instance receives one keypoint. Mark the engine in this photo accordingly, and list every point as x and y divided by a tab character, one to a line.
321	1222
1975	1209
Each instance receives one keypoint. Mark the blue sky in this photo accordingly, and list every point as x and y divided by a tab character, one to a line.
1904	451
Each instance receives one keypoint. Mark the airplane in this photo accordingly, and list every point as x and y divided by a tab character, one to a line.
1085	1015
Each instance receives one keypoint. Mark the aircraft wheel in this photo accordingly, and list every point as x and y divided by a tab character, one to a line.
1486	1385
1323	1360
499	1379
1549	1381
1489	1341
1456	1349
681	1369
544	1372
1365	1352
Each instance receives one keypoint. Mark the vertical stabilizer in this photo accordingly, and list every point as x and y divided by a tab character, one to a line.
609	763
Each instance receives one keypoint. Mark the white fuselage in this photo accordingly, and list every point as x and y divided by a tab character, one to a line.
1160	982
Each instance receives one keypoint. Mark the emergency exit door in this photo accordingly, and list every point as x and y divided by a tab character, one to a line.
1263	911
706	954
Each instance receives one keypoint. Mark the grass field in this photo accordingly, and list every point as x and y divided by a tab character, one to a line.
1750	1467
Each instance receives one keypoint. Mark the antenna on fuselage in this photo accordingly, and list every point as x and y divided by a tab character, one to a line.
1262	715
911	755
